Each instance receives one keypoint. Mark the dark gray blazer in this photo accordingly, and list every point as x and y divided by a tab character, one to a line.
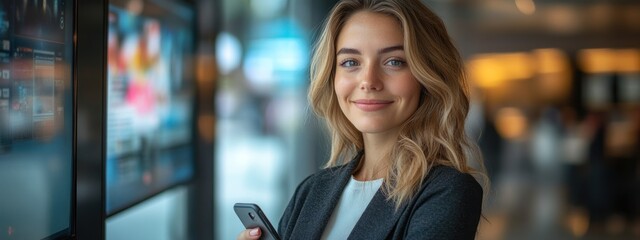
447	206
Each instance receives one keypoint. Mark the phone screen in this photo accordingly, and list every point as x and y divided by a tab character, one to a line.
252	216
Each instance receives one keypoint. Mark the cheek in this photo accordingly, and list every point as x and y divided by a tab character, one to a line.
342	87
408	88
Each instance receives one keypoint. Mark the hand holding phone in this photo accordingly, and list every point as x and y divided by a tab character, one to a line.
252	216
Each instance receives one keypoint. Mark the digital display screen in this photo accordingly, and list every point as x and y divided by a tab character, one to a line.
36	119
597	90
150	101
629	88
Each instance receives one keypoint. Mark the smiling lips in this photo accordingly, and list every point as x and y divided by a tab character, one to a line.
370	105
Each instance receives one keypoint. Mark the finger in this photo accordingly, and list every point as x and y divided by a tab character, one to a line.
252	233
255	233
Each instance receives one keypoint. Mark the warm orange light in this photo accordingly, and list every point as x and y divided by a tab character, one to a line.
528	7
605	60
486	72
551	60
518	65
553	74
511	123
491	70
207	68
600	60
628	61
578	222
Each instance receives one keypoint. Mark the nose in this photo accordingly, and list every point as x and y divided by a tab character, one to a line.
370	79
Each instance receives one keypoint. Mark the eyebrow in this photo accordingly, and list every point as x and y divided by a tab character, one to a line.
391	49
381	51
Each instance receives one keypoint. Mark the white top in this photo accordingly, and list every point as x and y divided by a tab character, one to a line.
354	200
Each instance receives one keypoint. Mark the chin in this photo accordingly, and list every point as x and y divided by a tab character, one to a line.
371	129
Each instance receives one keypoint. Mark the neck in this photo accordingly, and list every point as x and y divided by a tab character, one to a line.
374	163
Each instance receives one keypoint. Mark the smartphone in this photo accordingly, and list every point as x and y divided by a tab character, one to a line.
252	216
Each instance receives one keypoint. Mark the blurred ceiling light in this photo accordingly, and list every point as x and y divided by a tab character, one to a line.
485	71
518	65
551	60
268	8
490	70
228	52
528	7
511	123
599	60
628	61
553	74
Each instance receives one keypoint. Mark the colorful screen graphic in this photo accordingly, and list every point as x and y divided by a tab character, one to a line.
36	119
149	102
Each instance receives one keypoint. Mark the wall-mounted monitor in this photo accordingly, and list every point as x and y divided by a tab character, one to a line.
597	91
36	119
629	88
150	100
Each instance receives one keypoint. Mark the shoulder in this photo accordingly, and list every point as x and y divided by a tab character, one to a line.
445	175
450	184
447	206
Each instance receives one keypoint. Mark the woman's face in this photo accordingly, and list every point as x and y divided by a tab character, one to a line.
374	85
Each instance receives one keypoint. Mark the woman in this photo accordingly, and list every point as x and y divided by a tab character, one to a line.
391	87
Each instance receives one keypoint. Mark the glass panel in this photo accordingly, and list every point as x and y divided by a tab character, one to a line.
150	100
36	119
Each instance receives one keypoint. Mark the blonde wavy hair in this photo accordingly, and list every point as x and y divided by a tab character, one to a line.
435	133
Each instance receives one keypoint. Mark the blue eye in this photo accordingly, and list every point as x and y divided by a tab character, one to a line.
395	63
348	63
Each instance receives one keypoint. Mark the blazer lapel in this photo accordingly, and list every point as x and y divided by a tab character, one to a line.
378	219
324	195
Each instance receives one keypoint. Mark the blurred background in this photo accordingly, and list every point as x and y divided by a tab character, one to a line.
555	109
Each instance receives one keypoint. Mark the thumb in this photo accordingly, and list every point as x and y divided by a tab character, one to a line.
252	233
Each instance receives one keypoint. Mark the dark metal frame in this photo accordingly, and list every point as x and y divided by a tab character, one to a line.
90	87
